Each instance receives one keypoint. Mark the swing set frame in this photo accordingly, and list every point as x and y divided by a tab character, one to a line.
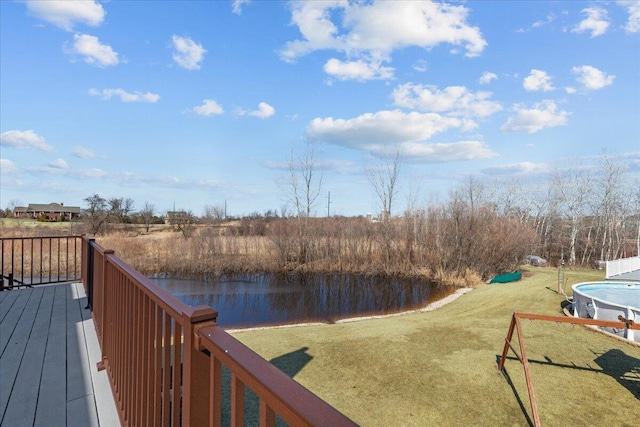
622	323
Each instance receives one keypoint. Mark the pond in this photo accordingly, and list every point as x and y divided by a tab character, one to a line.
259	300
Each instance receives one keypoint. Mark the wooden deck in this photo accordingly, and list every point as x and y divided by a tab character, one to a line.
48	356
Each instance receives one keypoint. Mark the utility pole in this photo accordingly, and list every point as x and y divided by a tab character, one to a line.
328	204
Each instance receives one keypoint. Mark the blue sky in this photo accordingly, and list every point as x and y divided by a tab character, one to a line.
189	104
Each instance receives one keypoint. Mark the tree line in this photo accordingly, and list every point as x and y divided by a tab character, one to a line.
578	215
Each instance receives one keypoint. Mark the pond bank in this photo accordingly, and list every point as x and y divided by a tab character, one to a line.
429	307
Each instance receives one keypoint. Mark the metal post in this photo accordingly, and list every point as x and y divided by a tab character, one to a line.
90	274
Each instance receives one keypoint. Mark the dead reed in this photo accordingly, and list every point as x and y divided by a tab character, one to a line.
450	252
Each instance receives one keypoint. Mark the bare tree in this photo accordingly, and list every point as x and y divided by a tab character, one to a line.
184	221
609	210
571	190
96	213
121	208
384	178
214	213
302	190
13	203
305	181
147	213
635	196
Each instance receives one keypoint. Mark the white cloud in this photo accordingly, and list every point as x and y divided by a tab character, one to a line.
457	100
445	152
264	110
90	173
59	164
372	130
597	22
7	167
407	132
71	173
83	152
342	167
208	108
487	77
188	54
538	80
421	66
65	14
357	70
94	52
550	18
592	78
371	31
570	90
238	5
24	139
125	96
543	115
522	168
633	9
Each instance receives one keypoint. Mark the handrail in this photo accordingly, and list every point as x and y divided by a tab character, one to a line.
164	358
30	261
278	393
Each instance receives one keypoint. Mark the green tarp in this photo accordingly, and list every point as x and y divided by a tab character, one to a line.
507	277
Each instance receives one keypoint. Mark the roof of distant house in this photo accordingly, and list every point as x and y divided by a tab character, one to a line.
50	207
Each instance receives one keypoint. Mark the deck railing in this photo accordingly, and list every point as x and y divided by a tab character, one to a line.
28	261
164	359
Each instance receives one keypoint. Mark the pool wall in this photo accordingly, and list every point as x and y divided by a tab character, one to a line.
587	306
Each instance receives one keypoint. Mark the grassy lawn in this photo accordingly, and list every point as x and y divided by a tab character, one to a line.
440	367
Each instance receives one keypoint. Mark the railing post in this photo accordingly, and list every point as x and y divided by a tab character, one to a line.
90	274
102	317
196	397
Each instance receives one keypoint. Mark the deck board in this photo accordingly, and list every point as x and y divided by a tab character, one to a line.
48	360
51	408
30	368
11	317
5	296
18	333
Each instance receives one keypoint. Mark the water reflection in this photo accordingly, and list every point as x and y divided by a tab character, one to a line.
282	299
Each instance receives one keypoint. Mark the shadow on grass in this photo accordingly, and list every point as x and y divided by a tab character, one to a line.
621	367
293	362
616	363
505	373
290	363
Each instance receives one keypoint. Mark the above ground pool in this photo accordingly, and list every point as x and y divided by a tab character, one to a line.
607	301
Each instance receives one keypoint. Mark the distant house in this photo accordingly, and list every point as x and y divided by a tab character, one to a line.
50	212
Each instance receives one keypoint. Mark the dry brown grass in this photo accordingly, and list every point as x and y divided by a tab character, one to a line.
401	248
461	251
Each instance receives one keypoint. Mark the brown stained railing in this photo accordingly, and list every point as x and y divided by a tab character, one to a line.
278	393
28	261
164	358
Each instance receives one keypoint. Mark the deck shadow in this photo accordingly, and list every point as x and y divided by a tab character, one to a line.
290	363
293	362
623	368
